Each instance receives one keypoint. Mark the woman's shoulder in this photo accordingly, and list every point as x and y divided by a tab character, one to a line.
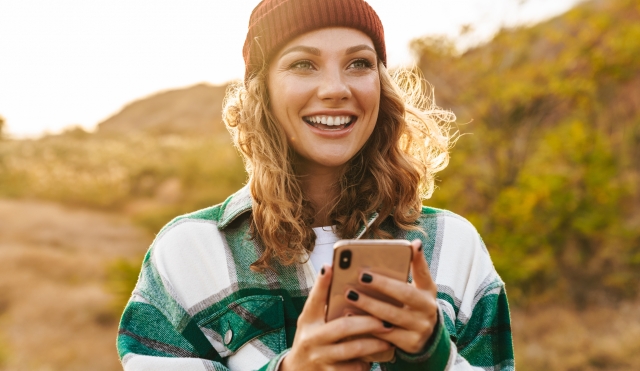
198	232
452	236
192	254
443	221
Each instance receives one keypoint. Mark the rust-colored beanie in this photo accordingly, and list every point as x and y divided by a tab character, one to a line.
273	23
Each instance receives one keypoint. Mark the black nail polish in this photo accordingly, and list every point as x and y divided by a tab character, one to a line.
386	324
366	278
353	296
322	271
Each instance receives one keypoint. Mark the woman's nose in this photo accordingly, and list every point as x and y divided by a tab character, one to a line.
333	86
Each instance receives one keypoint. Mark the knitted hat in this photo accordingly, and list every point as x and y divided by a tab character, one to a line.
273	23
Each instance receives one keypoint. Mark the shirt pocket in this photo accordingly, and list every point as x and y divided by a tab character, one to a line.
257	318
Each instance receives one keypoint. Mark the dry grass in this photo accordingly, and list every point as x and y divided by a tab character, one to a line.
55	312
562	339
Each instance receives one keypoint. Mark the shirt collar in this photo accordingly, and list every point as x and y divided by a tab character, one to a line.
236	205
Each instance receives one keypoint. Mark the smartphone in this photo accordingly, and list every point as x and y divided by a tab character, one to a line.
391	258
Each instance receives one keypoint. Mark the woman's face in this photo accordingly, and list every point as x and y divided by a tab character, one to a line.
324	90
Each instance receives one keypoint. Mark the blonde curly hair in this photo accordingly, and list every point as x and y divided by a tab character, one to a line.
390	175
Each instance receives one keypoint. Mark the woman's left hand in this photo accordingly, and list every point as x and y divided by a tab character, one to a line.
413	323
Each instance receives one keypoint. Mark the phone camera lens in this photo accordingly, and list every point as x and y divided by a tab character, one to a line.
345	259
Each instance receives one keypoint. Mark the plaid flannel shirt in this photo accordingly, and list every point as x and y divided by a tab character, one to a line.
198	306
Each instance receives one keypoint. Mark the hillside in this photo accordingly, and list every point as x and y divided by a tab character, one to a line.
192	111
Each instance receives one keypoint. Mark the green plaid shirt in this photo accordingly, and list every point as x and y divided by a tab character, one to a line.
198	306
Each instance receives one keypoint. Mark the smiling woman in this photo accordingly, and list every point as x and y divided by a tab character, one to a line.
334	148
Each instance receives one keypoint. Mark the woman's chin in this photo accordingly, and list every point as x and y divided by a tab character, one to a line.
326	162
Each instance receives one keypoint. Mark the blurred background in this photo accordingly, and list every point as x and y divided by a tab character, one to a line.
110	126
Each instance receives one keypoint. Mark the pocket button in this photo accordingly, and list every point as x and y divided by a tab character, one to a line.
228	337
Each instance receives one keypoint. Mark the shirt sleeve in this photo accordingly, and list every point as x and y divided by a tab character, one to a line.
474	326
485	342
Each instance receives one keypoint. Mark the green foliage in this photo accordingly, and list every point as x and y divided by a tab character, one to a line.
562	219
549	174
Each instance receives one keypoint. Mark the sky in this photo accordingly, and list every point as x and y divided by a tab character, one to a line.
68	63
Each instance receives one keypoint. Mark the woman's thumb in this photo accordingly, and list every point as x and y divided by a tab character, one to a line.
314	307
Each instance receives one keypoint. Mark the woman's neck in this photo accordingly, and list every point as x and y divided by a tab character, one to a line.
319	186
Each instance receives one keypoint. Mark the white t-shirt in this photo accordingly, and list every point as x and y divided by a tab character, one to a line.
323	251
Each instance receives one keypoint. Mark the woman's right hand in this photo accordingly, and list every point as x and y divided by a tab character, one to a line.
318	345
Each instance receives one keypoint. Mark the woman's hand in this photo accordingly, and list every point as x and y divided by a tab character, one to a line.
412	325
317	345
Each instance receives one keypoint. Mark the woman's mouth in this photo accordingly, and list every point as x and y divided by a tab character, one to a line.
330	123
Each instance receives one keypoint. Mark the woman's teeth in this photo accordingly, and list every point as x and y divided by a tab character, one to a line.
329	122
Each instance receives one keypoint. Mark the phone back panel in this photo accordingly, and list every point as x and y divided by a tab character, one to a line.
390	258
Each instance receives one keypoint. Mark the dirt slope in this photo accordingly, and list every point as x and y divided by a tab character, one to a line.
195	110
55	310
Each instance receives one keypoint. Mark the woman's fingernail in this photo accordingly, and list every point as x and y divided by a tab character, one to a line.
386	324
420	247
322	271
366	278
353	296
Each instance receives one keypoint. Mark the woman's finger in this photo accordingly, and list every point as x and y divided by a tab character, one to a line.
383	310
344	327
353	349
401	291
355	365
314	307
420	268
407	340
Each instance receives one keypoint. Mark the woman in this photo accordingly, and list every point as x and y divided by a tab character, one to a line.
333	149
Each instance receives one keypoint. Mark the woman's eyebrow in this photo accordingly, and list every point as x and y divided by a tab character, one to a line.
357	48
301	48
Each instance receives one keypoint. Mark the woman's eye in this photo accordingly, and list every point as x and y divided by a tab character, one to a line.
361	64
301	65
